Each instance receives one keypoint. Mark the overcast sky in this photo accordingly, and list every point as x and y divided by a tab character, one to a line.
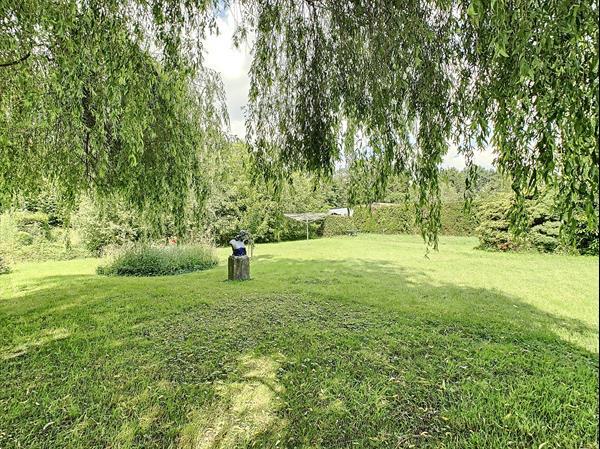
233	64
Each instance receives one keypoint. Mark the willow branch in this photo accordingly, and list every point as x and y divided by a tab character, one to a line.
18	61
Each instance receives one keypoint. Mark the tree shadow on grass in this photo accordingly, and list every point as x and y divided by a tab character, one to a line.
373	356
386	285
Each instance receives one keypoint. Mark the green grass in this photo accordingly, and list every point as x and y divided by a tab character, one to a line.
336	343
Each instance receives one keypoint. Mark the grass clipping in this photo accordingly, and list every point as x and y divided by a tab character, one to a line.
146	260
247	409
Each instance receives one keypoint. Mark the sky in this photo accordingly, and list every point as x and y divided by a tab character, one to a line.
233	65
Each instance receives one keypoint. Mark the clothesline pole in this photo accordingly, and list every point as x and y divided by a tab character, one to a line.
307	218
307	229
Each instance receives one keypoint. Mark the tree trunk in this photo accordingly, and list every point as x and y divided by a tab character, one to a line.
238	268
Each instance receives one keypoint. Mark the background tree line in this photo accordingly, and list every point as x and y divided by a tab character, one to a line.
40	227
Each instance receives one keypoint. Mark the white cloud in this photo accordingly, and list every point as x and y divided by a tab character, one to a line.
233	65
453	159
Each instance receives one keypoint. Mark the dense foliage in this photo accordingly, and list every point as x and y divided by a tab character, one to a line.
234	201
27	235
96	96
100	227
394	83
111	96
143	260
40	230
237	201
389	218
541	232
391	211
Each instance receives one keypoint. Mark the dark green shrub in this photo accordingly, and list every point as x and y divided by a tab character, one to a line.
544	225
545	236
494	225
146	260
585	238
542	231
46	202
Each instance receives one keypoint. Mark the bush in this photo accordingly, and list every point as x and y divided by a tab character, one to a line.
585	239
494	225
99	228
546	236
144	260
542	231
4	268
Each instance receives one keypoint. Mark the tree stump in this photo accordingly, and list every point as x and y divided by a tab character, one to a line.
239	268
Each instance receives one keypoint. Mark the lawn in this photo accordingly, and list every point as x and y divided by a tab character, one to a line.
354	342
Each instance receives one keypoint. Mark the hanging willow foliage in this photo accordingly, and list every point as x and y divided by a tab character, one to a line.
414	76
108	97
390	84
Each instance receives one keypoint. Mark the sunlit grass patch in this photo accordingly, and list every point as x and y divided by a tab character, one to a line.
24	344
245	408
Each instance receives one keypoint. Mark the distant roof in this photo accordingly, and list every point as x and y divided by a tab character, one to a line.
307	216
345	211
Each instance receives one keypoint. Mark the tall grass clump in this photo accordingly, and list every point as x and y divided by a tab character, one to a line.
146	260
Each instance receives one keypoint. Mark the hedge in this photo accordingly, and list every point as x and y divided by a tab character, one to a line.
337	225
399	219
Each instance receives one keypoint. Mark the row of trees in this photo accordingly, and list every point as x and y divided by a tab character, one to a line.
41	228
235	199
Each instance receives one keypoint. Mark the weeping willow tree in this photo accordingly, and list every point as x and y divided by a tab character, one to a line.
396	83
108	98
389	84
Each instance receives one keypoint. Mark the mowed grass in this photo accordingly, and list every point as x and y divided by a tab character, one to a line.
336	343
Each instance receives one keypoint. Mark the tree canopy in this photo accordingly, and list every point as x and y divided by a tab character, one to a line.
401	81
99	94
107	96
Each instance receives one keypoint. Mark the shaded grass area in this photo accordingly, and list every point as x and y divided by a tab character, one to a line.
335	343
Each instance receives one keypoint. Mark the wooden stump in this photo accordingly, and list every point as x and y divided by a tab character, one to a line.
238	268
